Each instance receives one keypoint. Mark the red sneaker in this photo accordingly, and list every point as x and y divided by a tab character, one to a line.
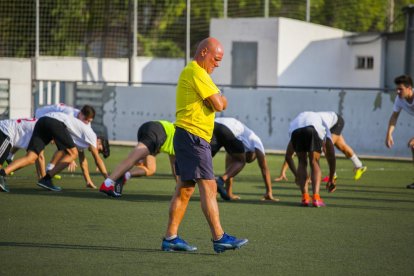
108	190
305	203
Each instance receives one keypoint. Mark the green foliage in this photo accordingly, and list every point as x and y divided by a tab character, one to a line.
102	28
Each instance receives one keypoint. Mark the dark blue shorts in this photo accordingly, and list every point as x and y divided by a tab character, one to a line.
306	139
193	158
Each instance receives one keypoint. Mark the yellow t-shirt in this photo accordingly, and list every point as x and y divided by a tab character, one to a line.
168	146
195	85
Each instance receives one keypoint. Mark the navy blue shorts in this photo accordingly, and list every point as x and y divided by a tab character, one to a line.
193	158
47	129
223	137
306	139
152	135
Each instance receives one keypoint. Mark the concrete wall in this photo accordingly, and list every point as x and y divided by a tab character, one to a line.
297	53
268	112
19	72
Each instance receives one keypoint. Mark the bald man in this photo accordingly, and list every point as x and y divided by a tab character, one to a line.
197	100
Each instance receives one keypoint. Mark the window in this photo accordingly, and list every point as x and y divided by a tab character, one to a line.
365	63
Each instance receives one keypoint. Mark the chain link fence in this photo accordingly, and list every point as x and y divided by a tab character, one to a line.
105	28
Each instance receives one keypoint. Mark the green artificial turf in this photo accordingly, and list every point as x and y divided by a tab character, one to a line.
366	228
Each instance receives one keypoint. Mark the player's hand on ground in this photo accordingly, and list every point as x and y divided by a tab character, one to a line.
72	166
90	185
282	177
269	197
234	197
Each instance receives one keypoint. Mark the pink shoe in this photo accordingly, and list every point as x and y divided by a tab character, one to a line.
318	203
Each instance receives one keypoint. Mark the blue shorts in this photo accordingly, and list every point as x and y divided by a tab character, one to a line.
193	158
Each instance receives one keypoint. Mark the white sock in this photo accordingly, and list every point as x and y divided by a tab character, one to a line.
171	237
109	182
127	176
356	161
50	167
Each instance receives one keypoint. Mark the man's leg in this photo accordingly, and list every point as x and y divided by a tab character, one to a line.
315	178
178	205
208	199
302	177
146	168
117	176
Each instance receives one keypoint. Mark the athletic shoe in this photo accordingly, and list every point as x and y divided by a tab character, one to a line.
305	203
410	186
3	184
359	172
108	190
331	187
318	203
228	242
176	244
220	188
326	178
119	185
48	185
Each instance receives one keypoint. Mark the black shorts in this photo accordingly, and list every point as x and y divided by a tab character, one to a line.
339	126
152	135
46	130
193	158
306	139
5	147
223	137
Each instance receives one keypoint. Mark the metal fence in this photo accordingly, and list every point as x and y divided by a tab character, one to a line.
161	28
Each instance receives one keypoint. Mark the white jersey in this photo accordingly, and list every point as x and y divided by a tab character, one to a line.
329	117
249	139
82	134
400	104
309	118
19	131
42	111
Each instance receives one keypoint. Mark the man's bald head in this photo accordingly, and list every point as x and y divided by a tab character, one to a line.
209	54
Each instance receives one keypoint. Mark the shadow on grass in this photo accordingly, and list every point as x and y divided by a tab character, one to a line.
92	247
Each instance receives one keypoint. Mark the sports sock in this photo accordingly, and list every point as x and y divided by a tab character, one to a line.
127	176
170	238
2	172
356	161
109	182
305	196
50	167
47	177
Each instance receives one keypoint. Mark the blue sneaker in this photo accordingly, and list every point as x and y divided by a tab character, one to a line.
176	244
3	184
220	188
48	185
228	242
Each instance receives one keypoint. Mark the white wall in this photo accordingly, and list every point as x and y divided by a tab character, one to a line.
298	53
260	30
19	73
